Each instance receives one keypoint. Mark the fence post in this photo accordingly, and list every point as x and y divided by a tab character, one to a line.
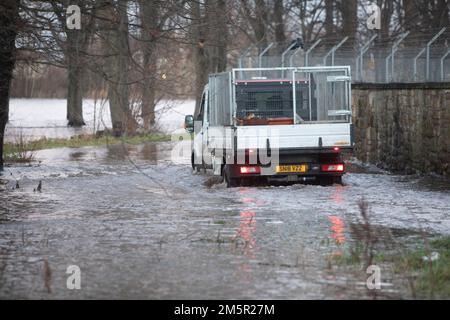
442	64
360	58
428	51
284	54
415	62
332	52
242	56
291	58
310	50
387	66
394	50
336	48
262	54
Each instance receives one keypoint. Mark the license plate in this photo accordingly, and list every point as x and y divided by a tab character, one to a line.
292	169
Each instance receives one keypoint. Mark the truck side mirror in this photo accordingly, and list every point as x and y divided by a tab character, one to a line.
189	123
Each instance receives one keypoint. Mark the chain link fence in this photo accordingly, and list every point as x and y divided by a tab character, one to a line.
406	58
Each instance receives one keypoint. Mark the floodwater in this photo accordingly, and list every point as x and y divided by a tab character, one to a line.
140	226
36	118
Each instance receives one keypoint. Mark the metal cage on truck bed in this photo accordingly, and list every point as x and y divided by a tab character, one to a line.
298	119
280	96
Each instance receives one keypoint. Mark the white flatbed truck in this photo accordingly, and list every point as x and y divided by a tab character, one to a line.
276	124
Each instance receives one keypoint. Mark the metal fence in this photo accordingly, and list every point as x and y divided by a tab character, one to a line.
406	58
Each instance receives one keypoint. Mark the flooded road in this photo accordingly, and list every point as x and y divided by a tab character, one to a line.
140	226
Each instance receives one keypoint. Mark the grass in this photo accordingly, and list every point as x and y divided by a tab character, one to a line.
432	278
426	278
22	151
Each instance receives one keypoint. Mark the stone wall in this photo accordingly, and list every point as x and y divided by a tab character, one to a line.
403	127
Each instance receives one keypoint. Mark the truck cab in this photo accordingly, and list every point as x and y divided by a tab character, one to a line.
274	124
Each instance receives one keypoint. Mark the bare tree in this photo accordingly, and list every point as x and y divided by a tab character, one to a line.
387	10
65	48
9	23
310	17
257	14
329	18
209	32
278	18
200	52
150	20
74	48
114	23
349	11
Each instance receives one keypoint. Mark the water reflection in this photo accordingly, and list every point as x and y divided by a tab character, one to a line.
337	224
336	195
149	152
337	230
77	155
245	233
118	152
123	152
337	234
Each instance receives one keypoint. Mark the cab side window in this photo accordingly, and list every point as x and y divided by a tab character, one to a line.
202	110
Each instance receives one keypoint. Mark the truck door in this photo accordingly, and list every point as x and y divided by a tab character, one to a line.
206	155
201	130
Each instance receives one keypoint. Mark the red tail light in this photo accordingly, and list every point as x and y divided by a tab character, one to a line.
250	170
333	168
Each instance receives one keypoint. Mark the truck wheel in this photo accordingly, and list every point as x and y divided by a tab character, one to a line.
230	182
329	181
326	181
338	180
195	167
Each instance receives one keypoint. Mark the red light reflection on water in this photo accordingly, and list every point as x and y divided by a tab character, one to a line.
337	229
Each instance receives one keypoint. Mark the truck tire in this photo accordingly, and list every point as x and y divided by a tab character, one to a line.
338	180
195	167
230	182
329	181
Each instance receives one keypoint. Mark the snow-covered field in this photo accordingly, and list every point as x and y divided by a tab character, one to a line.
35	118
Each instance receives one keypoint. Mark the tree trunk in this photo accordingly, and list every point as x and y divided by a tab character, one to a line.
73	48
121	116
149	11
260	24
116	47
210	35
410	16
329	18
386	17
442	14
76	44
222	36
280	36
75	93
217	35
200	54
258	19
9	17
349	9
